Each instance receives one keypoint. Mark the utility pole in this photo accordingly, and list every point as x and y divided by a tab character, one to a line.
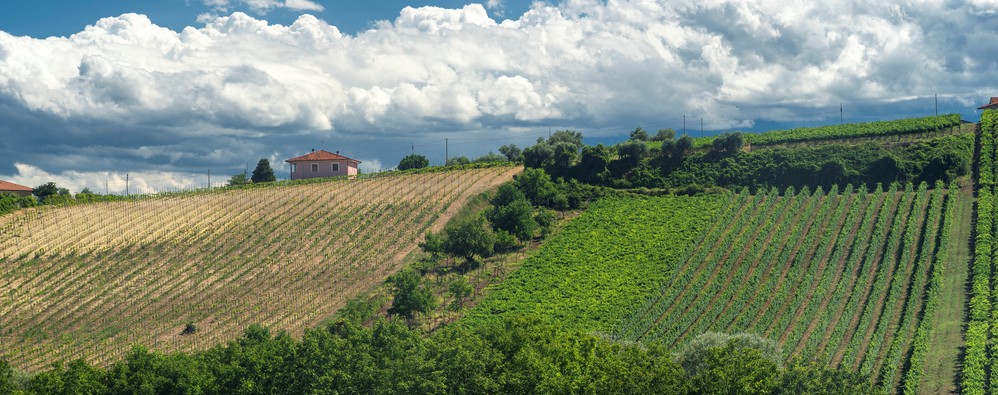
106	176
413	147
126	184
840	113
209	178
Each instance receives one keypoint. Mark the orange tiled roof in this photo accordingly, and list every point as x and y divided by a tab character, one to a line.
993	104
321	155
10	186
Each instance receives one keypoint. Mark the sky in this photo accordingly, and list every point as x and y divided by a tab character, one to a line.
169	91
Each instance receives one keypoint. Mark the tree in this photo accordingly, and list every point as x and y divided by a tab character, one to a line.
413	161
409	296
239	179
684	145
469	238
263	172
593	163
664	134
639	135
566	136
728	143
538	156
489	157
460	290
537	186
45	190
512	212
512	152
455	161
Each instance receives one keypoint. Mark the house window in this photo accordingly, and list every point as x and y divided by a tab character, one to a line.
336	166
294	167
315	167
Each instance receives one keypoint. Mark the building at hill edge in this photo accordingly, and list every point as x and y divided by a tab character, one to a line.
993	105
14	189
322	163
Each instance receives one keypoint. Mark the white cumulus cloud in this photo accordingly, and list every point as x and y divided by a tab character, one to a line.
237	87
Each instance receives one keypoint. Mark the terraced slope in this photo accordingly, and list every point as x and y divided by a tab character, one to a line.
839	276
88	281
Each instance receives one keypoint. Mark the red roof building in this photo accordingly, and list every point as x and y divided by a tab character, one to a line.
990	106
14	189
322	163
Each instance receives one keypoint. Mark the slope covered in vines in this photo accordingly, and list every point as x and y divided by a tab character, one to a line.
194	270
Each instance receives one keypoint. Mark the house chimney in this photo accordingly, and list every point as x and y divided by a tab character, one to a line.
337	152
313	149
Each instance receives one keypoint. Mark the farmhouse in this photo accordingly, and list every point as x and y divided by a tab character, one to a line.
993	105
322	163
14	189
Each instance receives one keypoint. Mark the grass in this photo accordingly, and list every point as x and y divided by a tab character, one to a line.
942	361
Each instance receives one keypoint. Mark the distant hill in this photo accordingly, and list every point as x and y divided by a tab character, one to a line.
91	280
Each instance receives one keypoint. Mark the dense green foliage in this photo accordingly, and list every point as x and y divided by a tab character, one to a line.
613	256
838	274
413	161
941	159
10	203
519	356
675	164
846	131
408	295
263	172
980	357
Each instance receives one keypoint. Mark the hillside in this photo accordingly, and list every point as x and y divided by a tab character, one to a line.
89	281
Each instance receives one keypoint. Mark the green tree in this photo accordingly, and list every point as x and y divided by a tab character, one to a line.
45	190
664	134
728	143
639	134
538	156
469	238
409	296
593	162
517	218
263	172
566	136
511	152
537	186
460	290
239	179
413	161
455	161
490	157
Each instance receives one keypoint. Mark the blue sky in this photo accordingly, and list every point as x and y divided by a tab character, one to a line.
165	90
45	18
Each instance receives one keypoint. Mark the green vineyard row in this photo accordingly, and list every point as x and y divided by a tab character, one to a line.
844	276
983	326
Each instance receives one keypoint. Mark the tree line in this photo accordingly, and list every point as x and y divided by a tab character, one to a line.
521	356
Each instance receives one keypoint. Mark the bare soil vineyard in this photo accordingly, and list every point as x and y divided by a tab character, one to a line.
91	280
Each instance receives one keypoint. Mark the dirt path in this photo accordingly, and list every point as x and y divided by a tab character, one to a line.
942	362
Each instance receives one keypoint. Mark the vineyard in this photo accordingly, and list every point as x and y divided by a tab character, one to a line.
601	264
190	271
981	356
907	126
840	276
